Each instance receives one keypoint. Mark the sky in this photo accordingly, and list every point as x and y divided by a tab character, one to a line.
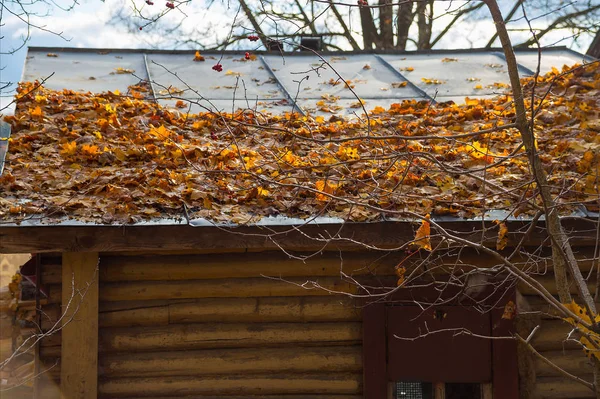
88	25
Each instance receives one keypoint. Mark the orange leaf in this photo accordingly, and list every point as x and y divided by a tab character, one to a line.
422	239
325	187
502	240
509	310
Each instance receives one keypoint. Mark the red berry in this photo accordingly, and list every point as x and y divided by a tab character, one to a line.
170	5
247	55
149	3
253	38
218	67
140	28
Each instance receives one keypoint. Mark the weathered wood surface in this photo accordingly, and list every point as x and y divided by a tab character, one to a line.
280	384
79	372
300	396
241	396
549	284
236	310
204	336
275	264
552	336
563	388
389	234
231	361
223	288
574	361
538	306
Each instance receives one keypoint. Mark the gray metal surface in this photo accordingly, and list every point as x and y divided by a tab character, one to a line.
94	70
4	136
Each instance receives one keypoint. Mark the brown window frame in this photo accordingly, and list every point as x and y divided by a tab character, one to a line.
505	379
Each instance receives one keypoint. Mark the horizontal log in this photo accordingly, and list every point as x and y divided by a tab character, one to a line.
244	287
235	310
549	284
279	384
553	336
246	397
168	237
232	361
563	388
50	352
538	306
276	264
201	336
572	361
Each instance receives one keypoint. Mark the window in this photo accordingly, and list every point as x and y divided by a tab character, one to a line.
441	363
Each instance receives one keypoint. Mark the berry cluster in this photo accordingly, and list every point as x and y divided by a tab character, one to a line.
218	67
253	38
170	5
363	3
247	55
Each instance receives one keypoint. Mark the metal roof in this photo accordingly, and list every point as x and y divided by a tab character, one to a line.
280	82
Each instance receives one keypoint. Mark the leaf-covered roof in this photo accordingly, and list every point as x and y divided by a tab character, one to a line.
119	158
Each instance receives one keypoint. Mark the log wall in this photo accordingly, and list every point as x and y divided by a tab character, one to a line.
262	325
552	340
228	325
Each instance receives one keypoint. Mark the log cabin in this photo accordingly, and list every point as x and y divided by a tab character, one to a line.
280	307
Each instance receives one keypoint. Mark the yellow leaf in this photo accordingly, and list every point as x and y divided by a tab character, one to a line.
37	112
232	73
262	192
69	148
422	238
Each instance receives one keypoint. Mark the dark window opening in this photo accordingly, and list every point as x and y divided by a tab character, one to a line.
463	391
426	390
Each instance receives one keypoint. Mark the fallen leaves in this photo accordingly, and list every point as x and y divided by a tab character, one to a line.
128	159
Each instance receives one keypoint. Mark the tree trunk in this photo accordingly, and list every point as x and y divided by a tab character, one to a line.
424	22
386	26
368	28
562	253
594	50
404	20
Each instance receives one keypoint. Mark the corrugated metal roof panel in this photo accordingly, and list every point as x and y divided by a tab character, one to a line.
85	71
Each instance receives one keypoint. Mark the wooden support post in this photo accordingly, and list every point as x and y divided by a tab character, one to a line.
79	360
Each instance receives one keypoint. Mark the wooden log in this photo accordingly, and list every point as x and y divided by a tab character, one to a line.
573	361
201	336
233	310
275	264
539	306
279	384
549	284
54	293
232	361
52	340
266	309
245	287
154	237
50	352
79	354
563	388
246	397
553	336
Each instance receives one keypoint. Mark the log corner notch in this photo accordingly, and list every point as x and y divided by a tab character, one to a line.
79	359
